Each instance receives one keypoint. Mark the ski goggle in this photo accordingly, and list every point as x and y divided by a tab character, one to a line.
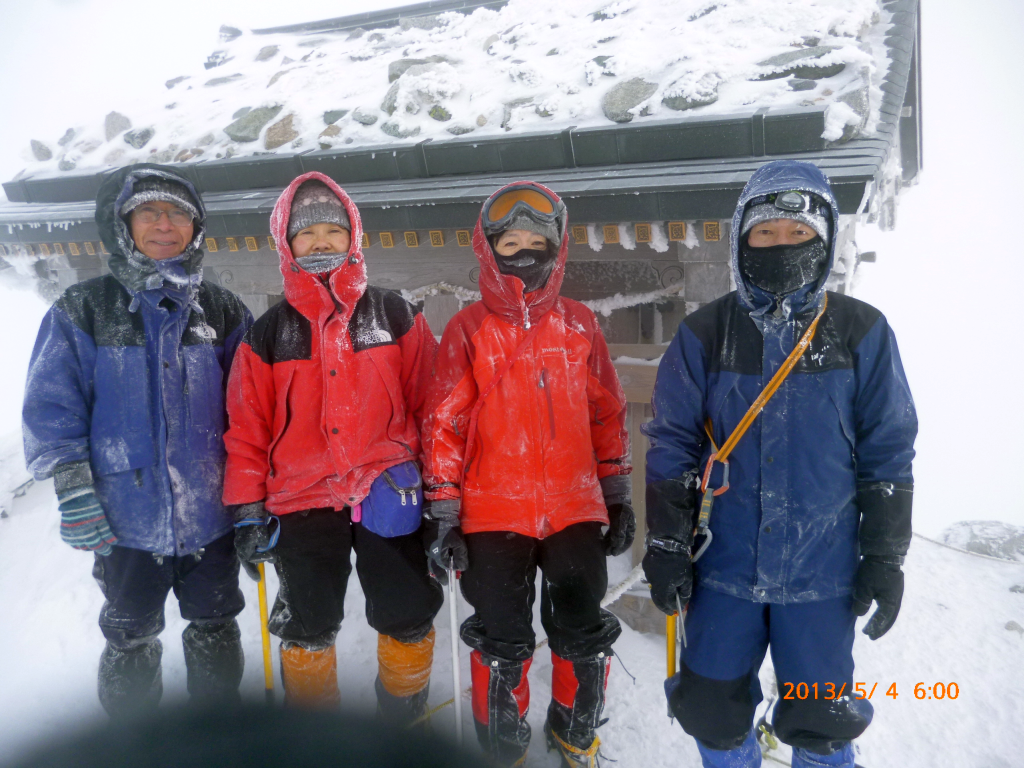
500	210
794	201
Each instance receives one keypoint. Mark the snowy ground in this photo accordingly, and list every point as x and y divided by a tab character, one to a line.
951	629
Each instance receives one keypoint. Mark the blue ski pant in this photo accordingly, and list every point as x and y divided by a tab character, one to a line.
717	690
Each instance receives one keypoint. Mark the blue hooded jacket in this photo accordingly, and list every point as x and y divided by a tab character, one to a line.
786	531
126	384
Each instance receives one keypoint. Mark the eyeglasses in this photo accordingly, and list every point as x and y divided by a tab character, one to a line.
500	210
794	200
147	214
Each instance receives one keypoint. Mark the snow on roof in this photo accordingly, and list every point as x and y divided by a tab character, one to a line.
529	66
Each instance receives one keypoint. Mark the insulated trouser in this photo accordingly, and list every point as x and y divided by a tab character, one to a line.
313	563
135	584
499	584
717	689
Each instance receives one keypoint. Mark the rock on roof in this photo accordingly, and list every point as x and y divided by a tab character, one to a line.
527	66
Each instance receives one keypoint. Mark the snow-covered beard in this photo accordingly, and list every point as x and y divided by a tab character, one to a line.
533	267
784	269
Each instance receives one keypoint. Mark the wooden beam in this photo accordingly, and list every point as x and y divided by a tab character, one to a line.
642	351
637	381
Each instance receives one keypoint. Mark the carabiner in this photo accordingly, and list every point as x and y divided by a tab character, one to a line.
708	536
707	475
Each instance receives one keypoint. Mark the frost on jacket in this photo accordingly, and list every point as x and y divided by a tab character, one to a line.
787	529
132	380
550	442
328	387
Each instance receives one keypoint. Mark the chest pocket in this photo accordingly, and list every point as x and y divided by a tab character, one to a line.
204	382
840	392
121	433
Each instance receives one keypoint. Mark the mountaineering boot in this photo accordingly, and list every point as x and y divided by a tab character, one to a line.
842	758
130	680
571	756
401	711
403	679
577	700
310	678
747	755
214	661
501	701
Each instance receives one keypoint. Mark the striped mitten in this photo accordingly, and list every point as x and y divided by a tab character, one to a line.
82	522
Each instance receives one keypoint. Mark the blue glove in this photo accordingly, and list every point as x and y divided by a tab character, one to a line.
82	522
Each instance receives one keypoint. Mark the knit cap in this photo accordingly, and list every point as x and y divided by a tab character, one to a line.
315	203
766	211
155	188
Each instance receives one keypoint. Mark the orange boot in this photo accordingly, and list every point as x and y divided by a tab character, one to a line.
403	678
310	678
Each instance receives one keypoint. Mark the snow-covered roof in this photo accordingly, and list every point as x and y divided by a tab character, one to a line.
524	67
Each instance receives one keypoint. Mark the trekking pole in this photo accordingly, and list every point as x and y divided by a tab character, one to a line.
268	665
681	632
453	616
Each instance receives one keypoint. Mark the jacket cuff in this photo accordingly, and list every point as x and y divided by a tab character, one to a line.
442	509
617	489
442	492
672	507
885	513
74	474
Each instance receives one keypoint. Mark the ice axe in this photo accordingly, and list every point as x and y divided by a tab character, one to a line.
268	664
675	641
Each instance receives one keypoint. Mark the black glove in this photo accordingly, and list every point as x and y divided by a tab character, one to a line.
252	533
879	579
669	571
671	511
442	538
621	529
885	532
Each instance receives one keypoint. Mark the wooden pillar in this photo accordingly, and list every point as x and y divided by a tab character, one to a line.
638	384
639	413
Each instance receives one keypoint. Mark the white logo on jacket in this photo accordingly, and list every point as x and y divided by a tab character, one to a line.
374	336
206	332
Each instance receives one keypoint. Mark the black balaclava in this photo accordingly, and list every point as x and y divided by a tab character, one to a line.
533	267
784	269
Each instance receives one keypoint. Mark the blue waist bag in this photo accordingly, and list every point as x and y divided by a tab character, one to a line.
395	502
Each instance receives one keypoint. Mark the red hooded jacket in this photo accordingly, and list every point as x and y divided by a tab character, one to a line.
550	434
327	389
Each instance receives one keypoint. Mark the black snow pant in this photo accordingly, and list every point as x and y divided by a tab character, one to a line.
500	585
313	563
135	584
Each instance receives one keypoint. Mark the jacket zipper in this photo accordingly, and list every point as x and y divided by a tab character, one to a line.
399	490
287	422
544	384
